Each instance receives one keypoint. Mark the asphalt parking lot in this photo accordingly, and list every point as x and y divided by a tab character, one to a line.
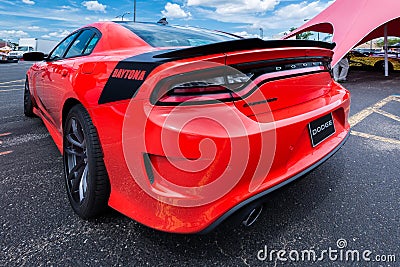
351	202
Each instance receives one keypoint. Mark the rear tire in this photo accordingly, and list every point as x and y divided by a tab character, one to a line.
86	178
28	104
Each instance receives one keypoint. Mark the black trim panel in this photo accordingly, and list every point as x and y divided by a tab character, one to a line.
264	193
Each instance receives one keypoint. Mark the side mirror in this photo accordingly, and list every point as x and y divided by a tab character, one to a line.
33	56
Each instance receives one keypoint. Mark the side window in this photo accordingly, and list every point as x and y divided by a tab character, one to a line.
80	44
92	43
62	47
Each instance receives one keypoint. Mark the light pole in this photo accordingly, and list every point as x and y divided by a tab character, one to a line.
134	11
122	16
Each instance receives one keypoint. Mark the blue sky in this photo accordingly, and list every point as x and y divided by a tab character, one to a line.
49	19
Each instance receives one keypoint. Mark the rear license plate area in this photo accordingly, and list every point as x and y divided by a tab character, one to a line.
321	129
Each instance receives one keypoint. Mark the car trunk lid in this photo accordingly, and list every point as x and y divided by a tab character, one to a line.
281	77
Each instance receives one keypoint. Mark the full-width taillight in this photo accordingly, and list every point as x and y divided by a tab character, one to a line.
230	83
200	86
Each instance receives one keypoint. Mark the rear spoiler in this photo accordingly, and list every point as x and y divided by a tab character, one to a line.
241	44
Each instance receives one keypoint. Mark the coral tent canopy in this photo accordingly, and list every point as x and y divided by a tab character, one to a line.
354	22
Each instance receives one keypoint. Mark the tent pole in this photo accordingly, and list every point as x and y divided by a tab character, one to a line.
386	51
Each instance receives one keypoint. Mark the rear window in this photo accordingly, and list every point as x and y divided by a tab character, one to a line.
171	36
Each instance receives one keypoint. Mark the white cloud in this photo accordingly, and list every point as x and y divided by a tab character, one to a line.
13	34
56	35
95	6
175	11
34	28
28	2
246	34
292	15
223	7
303	10
66	7
60	33
69	8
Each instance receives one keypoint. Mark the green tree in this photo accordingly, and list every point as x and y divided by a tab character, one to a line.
301	36
391	41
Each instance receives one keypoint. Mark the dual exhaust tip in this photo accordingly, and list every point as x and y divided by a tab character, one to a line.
247	215
251	215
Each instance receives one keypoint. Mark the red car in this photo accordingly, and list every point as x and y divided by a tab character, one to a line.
179	128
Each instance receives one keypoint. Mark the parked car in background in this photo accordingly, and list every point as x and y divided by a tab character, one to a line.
19	52
30	45
374	61
366	51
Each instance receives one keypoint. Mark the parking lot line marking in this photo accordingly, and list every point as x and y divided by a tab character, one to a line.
11	85
8	82
10	90
375	108
5	152
387	114
377	138
357	118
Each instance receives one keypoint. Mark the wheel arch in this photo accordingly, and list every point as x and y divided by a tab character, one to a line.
68	104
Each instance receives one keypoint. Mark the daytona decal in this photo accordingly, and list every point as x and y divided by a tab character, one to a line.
129	74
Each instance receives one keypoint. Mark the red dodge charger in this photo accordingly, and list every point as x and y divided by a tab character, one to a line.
180	128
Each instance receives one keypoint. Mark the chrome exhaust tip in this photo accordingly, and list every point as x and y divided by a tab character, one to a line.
252	216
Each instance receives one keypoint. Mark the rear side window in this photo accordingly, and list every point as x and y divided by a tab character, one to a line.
81	43
92	43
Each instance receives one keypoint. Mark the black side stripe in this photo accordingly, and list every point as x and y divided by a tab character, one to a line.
128	76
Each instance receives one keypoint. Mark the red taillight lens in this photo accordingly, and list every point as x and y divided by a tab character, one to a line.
196	93
199	86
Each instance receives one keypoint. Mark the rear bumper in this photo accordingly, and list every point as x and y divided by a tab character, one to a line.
259	197
294	156
10	57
